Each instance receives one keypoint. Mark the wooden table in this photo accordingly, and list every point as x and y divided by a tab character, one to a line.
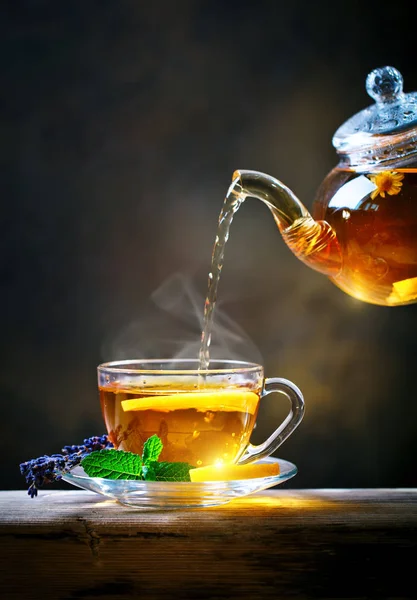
280	544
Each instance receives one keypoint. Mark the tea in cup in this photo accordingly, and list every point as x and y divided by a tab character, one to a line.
203	417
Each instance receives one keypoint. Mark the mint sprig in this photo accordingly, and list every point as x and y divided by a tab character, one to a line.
119	464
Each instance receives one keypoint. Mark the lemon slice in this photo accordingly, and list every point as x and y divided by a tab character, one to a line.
404	290
228	401
233	472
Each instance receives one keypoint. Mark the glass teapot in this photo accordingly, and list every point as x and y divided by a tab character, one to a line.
363	229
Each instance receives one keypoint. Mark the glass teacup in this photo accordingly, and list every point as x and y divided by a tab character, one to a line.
203	417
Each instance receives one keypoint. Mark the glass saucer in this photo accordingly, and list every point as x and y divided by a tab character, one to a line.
170	495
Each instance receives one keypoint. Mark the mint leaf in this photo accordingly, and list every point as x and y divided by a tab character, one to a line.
152	448
113	464
167	471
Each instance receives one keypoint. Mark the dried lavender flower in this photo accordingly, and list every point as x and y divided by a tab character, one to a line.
46	469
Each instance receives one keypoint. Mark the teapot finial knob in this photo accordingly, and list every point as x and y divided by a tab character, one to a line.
385	85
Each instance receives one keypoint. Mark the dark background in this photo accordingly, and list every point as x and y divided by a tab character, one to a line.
121	125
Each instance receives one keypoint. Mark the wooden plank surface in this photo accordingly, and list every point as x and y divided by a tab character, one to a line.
280	544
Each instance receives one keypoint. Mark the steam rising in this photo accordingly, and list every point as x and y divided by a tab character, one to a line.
171	328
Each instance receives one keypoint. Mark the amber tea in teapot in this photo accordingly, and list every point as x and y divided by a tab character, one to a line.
374	215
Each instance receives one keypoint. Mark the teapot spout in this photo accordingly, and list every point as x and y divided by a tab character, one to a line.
313	242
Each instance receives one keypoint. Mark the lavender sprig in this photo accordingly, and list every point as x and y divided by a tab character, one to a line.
46	469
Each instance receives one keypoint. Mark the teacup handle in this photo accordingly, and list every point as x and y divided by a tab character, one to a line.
294	417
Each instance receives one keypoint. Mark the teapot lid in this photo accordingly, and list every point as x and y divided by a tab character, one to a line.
388	123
